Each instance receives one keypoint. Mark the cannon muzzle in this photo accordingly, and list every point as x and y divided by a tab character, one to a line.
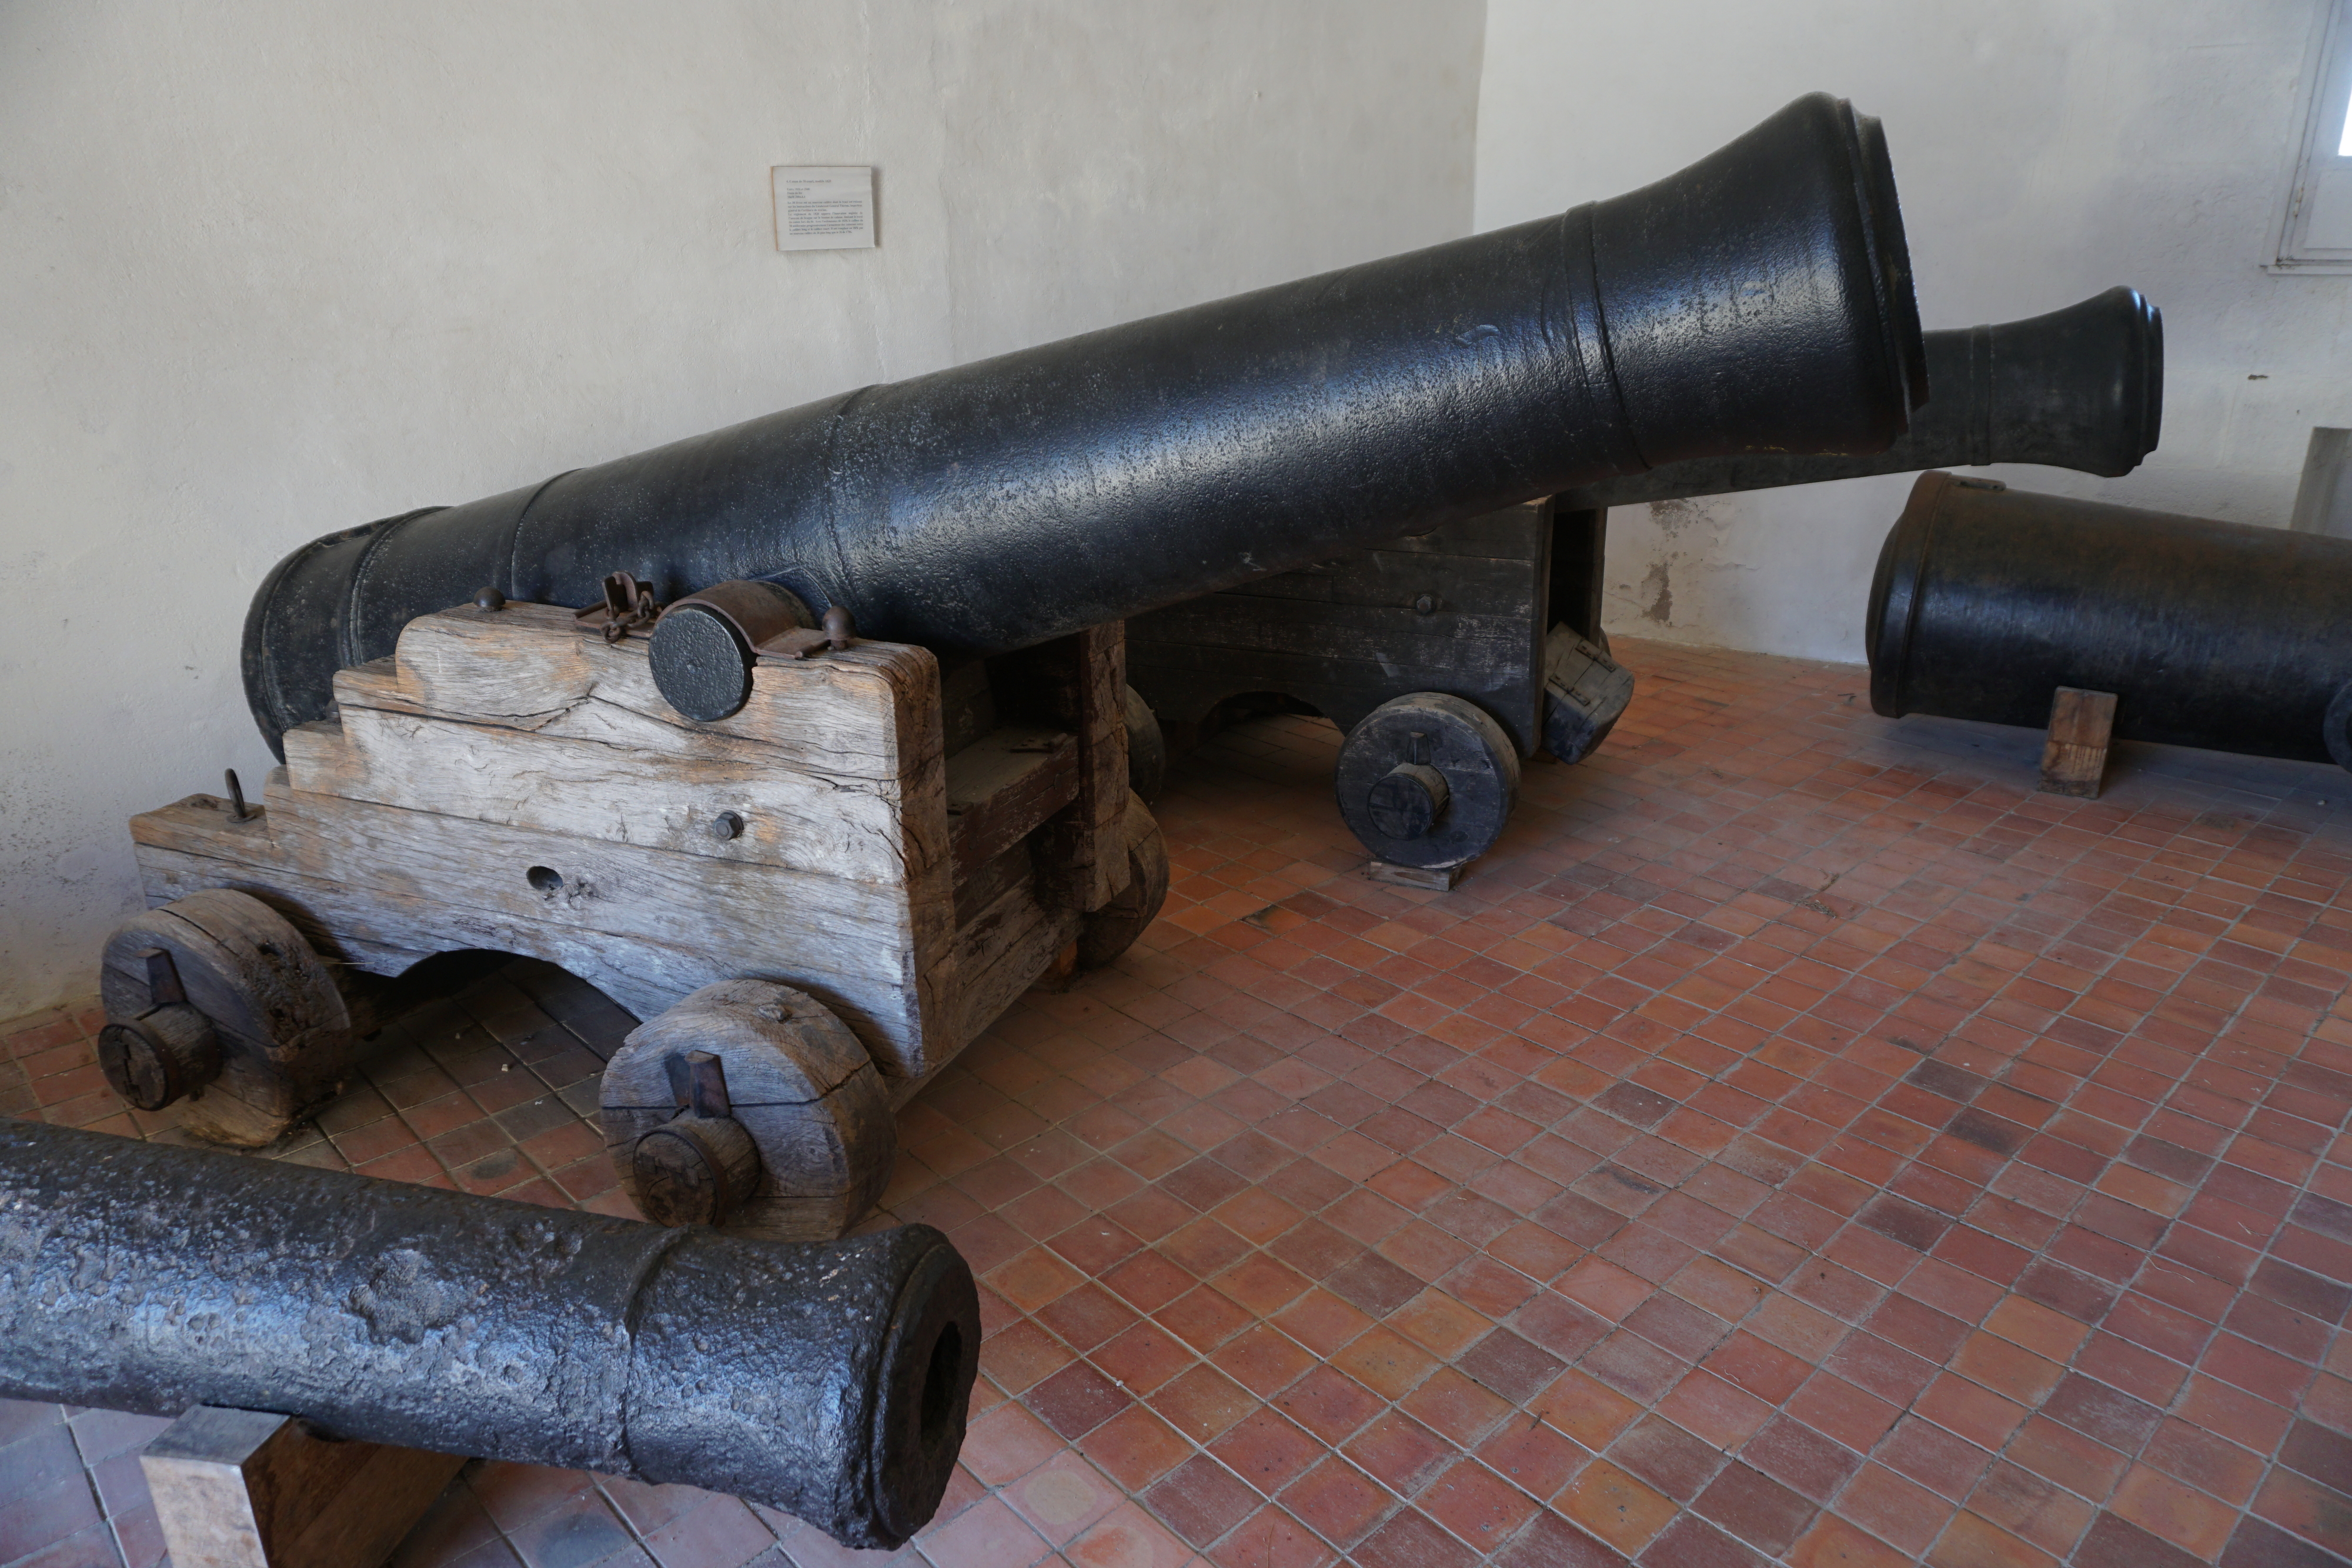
2081	388
1757	301
829	1380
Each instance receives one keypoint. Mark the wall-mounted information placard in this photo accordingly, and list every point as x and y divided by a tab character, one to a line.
824	208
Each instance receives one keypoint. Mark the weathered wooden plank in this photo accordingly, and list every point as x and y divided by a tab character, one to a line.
399	912
1078	684
1429	878
916	721
509	782
520	665
625	890
529	668
381	937
613	791
854	935
988	884
835	766
1002	786
1000	953
1083	857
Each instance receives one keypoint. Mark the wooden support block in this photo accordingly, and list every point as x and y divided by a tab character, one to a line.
245	1489
2076	757
1079	683
1001	787
1440	880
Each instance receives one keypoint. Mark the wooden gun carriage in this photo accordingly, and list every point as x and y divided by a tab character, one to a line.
905	854
818	863
1488	630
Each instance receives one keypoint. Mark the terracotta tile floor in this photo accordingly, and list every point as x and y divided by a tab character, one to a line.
1798	1142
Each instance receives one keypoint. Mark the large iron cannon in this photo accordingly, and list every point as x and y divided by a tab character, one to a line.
1757	301
804	740
829	1380
1502	613
2230	636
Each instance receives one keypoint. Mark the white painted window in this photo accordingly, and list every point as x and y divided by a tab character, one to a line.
2314	229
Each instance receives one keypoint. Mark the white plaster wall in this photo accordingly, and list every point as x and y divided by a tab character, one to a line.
274	269
2045	150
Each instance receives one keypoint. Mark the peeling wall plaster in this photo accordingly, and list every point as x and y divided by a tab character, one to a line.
2045	150
272	269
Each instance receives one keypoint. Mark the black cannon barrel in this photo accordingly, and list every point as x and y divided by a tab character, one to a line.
2081	388
829	1380
2223	635
1759	301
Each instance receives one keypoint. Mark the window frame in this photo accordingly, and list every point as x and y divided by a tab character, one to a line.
2323	97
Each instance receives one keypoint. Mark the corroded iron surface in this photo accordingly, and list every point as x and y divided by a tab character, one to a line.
829	1380
1757	301
2223	635
2081	388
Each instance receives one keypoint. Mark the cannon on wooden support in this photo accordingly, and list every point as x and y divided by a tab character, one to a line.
2230	636
1488	629
829	1379
832	763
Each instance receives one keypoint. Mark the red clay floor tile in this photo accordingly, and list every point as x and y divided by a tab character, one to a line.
1798	1141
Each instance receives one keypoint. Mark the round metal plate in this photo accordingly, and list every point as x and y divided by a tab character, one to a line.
701	665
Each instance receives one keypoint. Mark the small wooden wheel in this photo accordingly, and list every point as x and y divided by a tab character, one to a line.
1111	930
1427	781
214	998
749	1105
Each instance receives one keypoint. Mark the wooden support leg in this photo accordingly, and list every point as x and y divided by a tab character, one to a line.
2076	756
1439	879
245	1489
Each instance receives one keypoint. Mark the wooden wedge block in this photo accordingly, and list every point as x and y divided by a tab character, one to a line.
2075	758
1440	879
245	1489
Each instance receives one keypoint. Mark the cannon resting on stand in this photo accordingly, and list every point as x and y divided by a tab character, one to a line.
1988	603
1498	617
804	740
828	1379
